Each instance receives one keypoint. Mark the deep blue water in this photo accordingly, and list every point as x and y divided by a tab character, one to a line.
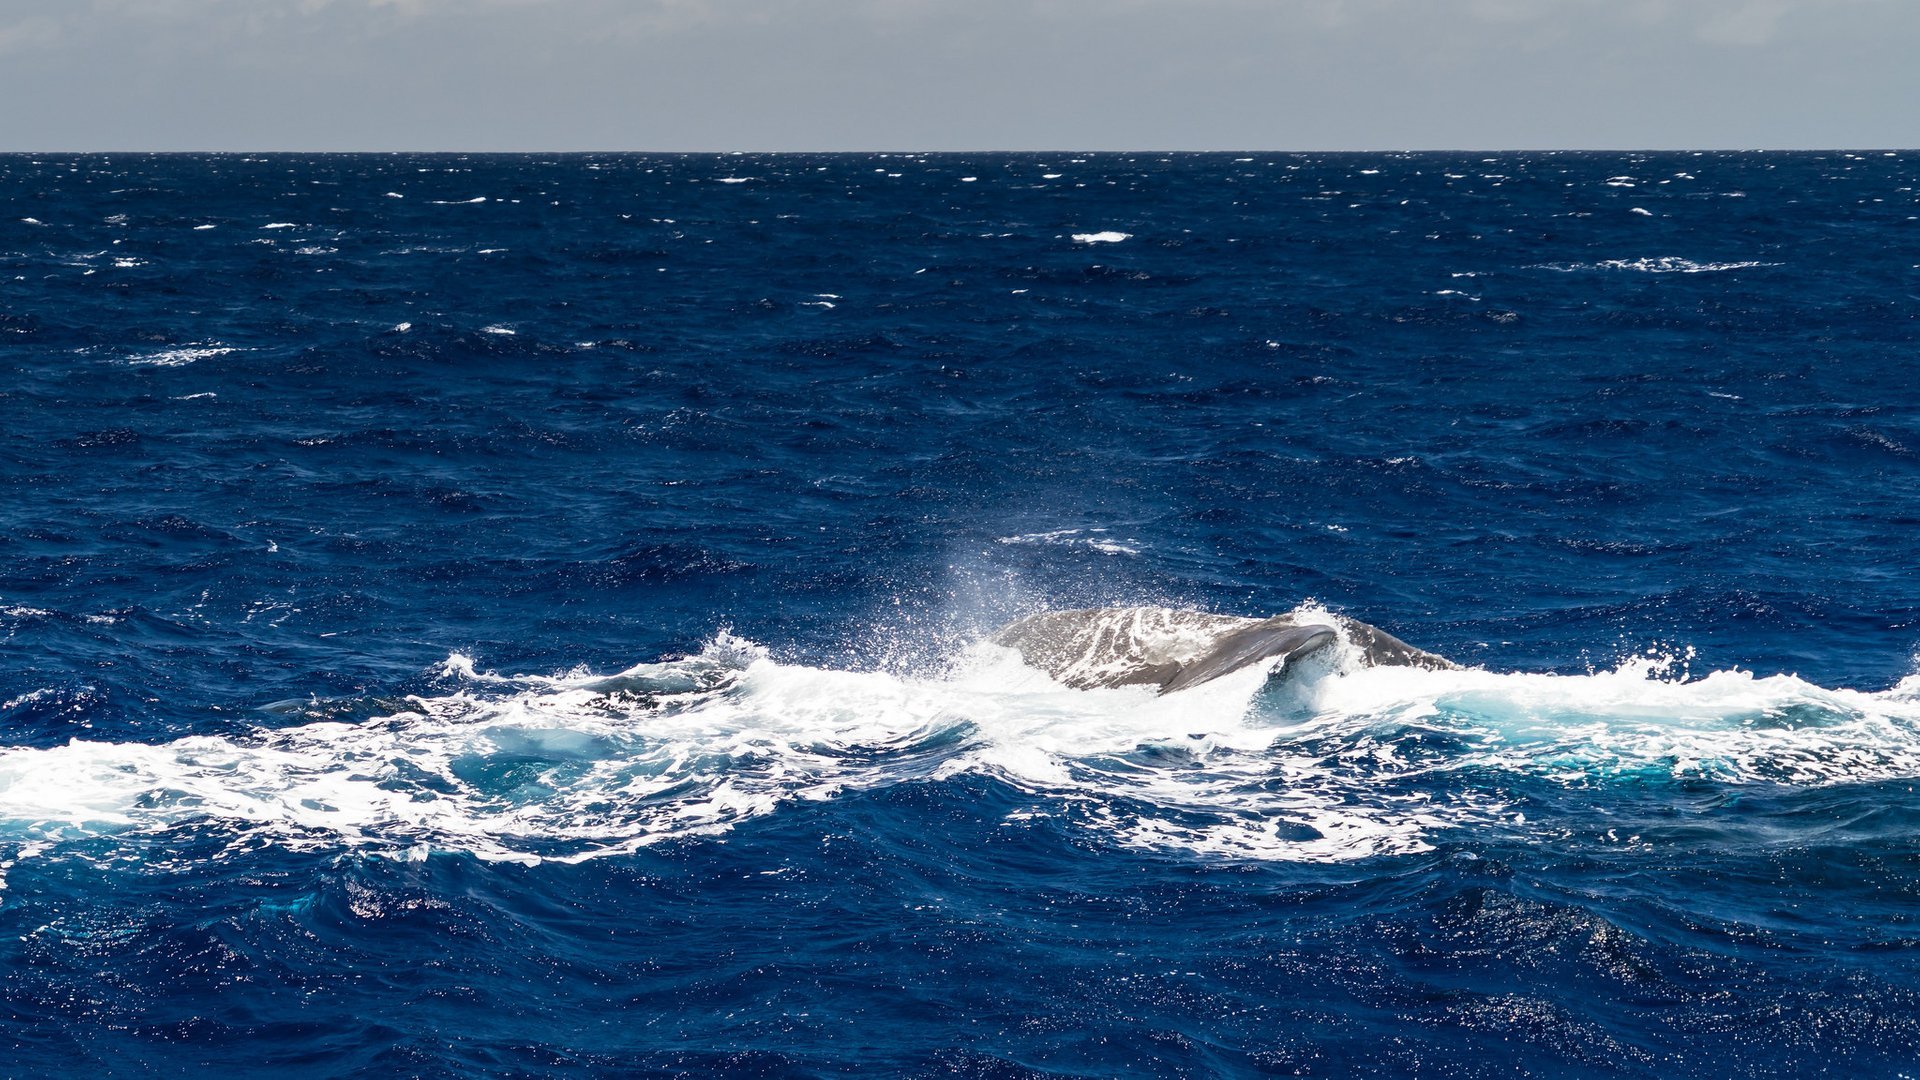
332	490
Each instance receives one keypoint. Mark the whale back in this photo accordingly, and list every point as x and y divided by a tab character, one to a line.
1268	640
1381	649
1172	649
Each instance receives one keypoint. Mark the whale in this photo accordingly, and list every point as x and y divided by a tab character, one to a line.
1173	649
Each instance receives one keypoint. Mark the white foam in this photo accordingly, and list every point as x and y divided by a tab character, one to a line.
734	179
279	225
1108	237
183	355
1088	538
1338	762
506	331
1666	264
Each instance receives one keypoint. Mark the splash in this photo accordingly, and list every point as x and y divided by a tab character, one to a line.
1333	762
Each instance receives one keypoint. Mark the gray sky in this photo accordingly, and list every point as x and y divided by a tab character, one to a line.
957	74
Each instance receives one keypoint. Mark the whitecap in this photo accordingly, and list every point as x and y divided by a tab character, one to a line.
1087	538
182	355
1106	237
1666	264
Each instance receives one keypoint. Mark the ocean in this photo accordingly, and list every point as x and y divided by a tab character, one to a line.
528	616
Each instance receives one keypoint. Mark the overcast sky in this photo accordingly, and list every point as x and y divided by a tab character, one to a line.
957	74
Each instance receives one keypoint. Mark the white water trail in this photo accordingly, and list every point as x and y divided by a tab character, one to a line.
1336	763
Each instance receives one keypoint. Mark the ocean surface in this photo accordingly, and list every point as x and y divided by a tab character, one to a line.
525	616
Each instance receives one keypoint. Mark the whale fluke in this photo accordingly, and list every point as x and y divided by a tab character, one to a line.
1174	649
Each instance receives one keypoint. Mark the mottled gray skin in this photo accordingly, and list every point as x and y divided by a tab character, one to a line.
1173	650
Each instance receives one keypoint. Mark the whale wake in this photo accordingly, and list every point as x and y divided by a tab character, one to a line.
1340	762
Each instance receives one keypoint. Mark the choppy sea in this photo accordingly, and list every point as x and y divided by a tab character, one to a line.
525	616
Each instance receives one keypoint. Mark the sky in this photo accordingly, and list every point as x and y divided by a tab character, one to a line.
693	75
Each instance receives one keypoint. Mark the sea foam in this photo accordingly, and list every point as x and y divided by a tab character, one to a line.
1319	766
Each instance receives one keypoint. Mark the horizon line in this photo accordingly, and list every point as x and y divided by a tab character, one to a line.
733	152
